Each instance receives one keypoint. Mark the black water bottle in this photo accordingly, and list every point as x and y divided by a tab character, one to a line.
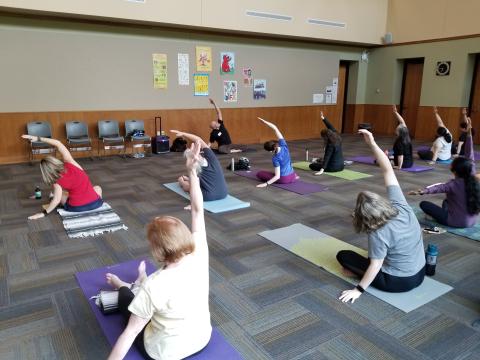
431	259
38	193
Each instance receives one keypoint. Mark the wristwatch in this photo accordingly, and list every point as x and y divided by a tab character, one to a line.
44	212
359	288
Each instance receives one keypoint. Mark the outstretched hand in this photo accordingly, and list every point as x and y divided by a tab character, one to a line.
435	110
394	109
211	101
177	133
350	295
269	124
415	192
193	159
29	137
321	115
464	111
367	135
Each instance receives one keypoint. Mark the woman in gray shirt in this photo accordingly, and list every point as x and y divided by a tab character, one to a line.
396	257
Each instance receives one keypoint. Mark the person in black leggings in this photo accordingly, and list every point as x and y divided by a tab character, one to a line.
396	257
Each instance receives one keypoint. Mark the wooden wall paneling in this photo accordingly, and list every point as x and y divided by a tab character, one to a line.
426	124
355	114
381	118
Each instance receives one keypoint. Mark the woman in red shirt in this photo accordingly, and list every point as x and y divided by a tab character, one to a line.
71	185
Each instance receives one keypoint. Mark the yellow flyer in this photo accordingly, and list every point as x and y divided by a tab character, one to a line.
160	80
200	84
204	58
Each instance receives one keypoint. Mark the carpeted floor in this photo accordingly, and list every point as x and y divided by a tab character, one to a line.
268	303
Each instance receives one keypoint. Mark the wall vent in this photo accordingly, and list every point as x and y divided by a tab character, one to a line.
265	15
327	23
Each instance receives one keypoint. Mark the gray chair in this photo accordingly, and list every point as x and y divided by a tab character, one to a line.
109	135
137	141
77	137
42	129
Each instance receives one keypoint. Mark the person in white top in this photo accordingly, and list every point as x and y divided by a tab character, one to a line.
442	146
169	318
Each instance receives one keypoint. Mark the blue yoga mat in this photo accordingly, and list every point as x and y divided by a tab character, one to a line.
112	325
218	206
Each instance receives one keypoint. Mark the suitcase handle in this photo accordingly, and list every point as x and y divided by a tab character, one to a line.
156	130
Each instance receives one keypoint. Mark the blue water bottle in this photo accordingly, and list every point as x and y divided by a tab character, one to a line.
38	193
431	258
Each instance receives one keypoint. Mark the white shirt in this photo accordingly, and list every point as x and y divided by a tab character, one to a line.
176	301
444	148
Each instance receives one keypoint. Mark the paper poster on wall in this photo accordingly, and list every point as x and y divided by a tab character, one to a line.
200	84
259	89
229	91
247	77
160	80
328	99
227	61
318	98
183	70
204	58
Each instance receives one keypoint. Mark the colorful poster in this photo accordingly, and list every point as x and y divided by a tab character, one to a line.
259	89
183	70
204	58
247	77
227	61
160	80
200	84
229	91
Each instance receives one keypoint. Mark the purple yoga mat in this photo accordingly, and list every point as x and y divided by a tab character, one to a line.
112	325
370	160
418	168
299	186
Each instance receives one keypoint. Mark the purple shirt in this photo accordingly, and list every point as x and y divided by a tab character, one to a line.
458	215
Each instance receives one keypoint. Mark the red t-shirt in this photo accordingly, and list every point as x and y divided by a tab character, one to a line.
76	182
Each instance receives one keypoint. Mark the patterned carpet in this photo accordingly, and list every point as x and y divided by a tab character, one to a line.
268	303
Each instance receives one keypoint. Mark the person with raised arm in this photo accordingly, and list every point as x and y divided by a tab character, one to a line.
169	317
219	133
442	146
212	180
462	205
283	170
402	147
333	156
71	186
396	257
460	149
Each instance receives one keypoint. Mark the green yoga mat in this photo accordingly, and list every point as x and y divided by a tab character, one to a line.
470	233
321	249
344	174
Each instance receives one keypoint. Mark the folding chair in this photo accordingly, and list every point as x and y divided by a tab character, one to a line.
135	133
109	134
42	129
77	137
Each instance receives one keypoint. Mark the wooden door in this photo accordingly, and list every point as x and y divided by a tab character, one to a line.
474	106
411	90
338	109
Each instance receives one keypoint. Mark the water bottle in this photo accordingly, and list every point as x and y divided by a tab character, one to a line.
233	164
38	193
431	258
306	154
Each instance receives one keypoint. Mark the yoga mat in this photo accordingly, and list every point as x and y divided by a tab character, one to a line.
298	187
418	168
470	233
113	325
321	250
369	160
92	222
218	206
344	174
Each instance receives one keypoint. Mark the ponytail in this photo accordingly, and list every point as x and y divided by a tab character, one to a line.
441	131
463	167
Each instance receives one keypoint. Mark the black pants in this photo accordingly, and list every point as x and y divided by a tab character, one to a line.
125	297
440	214
358	264
425	154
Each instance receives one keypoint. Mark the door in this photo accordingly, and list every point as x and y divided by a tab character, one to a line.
474	106
411	90
341	93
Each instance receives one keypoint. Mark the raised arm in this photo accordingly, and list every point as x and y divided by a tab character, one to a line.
67	157
382	160
438	119
196	198
217	109
327	123
193	138
273	127
398	117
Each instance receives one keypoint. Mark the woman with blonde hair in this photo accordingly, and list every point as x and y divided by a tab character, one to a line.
71	186
396	257
169	317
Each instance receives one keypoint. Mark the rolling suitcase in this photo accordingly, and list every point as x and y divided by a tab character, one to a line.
160	142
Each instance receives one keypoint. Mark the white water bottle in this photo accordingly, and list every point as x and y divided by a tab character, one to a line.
306	154
233	164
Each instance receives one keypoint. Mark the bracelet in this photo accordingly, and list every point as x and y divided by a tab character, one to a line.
44	212
359	288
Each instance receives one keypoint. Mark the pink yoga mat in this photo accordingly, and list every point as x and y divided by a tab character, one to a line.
299	186
113	325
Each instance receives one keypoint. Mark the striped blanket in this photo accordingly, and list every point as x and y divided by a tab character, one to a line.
91	223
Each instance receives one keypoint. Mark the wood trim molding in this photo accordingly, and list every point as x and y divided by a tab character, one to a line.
451	38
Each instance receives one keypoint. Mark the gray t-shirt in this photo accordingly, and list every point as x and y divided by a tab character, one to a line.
212	180
400	240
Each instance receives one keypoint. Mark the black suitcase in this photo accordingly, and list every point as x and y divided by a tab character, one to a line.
160	142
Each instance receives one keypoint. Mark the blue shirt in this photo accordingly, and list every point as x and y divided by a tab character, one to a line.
282	159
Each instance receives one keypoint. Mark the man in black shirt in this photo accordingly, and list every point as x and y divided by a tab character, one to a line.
219	134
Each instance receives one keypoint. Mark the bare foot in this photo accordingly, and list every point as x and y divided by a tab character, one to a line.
142	275
235	151
188	207
348	273
114	281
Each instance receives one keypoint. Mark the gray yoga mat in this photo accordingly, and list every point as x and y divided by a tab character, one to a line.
321	250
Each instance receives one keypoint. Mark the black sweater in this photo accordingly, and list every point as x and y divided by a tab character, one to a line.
333	157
